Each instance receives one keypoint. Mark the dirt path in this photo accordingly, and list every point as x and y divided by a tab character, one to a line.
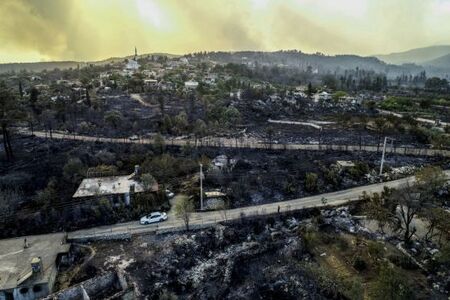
139	99
421	120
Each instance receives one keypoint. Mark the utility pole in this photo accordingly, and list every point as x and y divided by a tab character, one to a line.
384	152
201	187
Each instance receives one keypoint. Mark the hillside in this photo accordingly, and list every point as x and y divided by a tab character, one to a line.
323	63
417	56
442	62
40	66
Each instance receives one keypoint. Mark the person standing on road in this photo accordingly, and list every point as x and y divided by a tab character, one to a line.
278	209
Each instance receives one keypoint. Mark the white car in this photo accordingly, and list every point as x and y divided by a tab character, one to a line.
133	138
154	217
170	194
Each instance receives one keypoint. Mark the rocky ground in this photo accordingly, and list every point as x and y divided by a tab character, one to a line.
314	255
255	260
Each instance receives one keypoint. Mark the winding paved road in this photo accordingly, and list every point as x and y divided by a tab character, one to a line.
207	219
249	143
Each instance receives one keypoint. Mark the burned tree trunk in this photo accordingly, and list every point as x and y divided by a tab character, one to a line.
7	142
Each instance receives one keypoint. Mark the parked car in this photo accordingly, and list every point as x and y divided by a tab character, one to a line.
133	138
154	217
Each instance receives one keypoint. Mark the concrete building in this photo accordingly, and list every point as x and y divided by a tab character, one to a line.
322	96
215	200
191	84
223	162
345	164
110	285
29	265
118	189
150	82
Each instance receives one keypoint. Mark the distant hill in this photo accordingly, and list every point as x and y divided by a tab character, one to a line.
419	56
40	66
442	62
322	63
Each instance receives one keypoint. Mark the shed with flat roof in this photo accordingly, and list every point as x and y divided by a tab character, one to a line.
29	265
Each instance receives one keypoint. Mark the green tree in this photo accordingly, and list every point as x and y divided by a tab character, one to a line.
375	209
329	81
391	285
436	218
48	196
430	180
231	115
381	126
166	124
147	180
338	95
183	209
181	123
311	182
404	206
163	167
436	84
355	289
113	117
74	170
310	90
200	129
444	255
159	144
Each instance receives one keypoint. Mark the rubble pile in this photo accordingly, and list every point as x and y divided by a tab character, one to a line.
343	220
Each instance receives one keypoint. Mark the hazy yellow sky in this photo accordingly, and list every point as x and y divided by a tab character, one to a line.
41	30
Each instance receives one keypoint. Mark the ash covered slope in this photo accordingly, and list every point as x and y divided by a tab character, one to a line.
62	65
246	261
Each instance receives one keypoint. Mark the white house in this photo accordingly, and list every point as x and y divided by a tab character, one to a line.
322	96
191	84
132	65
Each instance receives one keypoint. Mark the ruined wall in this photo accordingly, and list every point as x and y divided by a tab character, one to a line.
31	293
101	237
90	288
